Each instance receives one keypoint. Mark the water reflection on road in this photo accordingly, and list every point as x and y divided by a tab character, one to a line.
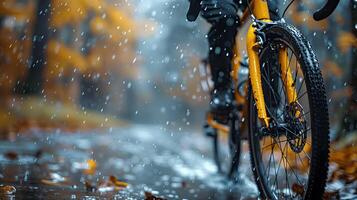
149	158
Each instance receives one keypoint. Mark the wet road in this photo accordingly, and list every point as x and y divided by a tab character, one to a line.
171	165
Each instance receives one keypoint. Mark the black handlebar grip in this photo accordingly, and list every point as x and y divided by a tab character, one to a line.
194	10
326	10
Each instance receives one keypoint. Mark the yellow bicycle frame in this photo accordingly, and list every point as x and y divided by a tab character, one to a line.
261	12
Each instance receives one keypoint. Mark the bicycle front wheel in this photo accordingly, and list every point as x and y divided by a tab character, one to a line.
290	161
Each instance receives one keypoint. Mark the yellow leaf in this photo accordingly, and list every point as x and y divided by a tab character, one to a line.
118	183
92	166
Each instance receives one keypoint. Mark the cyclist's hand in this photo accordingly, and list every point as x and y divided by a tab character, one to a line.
194	10
215	10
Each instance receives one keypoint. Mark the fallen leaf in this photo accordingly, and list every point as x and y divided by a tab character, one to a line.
298	189
11	155
118	183
91	167
344	156
150	196
7	190
331	195
90	187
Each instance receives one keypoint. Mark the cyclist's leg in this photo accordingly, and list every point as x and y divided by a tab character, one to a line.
221	40
221	37
222	15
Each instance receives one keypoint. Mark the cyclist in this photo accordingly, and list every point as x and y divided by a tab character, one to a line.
222	15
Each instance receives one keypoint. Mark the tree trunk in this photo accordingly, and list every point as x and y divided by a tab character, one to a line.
349	123
33	84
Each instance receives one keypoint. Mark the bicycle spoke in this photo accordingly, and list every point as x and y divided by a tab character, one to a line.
271	153
291	168
303	81
287	174
301	95
296	72
306	154
270	86
306	113
282	157
277	171
273	144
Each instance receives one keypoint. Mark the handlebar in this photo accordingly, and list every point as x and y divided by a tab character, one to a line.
320	14
326	10
194	10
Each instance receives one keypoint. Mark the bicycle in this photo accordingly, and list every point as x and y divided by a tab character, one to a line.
282	105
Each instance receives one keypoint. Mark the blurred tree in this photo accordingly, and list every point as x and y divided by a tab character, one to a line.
34	81
299	14
15	43
349	122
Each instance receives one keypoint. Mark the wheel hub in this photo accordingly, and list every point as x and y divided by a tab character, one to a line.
296	133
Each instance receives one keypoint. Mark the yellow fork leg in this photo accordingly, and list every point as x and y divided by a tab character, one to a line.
255	75
261	10
286	75
287	78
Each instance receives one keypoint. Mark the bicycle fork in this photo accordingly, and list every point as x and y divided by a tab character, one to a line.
254	42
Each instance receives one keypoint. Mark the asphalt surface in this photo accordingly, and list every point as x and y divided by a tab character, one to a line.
151	159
